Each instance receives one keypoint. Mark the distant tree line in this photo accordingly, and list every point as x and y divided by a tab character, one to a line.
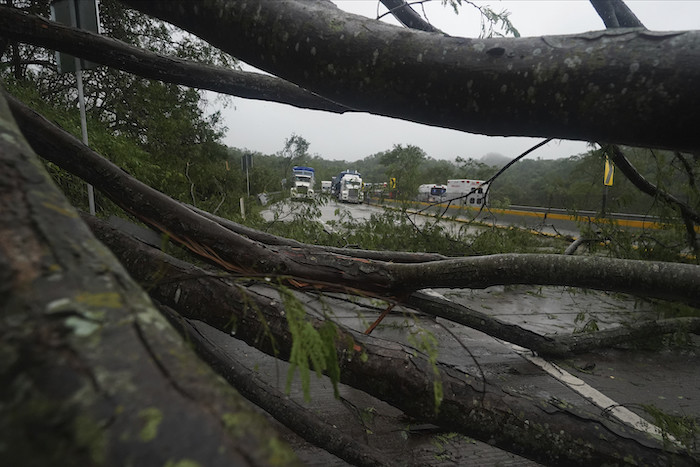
574	182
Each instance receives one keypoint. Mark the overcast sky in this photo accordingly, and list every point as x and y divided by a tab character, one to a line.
263	126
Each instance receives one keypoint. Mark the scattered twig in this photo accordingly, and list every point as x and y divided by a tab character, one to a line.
187	175
223	198
381	317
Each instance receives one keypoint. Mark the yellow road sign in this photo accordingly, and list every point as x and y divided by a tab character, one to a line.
609	171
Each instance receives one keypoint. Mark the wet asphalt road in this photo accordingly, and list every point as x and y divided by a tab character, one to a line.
619	384
615	384
333	210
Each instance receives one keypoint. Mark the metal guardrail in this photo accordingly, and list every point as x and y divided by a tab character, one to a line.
622	219
584	213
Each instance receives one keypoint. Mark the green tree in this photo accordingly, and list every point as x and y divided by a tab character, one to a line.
372	169
295	152
160	132
437	171
471	168
403	164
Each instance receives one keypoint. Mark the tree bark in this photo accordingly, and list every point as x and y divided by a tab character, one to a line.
632	87
297	418
551	346
615	14
496	91
428	303
100	49
395	373
91	373
235	253
403	12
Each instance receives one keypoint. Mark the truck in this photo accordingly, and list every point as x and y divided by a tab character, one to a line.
303	179
347	186
468	192
431	193
326	186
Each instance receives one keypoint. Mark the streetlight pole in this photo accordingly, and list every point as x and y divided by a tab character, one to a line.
81	14
83	127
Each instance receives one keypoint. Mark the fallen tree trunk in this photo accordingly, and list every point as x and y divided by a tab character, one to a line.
35	30
91	373
431	304
398	374
671	281
552	346
407	16
529	86
298	419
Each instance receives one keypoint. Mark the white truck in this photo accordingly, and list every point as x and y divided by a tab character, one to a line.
470	192
326	186
303	179
347	186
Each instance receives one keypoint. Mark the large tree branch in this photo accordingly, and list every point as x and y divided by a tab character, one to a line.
439	306
616	14
645	186
35	30
91	373
431	304
434	304
633	87
672	281
297	418
558	345
397	373
403	12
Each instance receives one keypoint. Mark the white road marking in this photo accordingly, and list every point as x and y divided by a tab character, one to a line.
620	412
608	405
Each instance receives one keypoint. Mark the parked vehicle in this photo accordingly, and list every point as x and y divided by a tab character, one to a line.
431	193
303	179
468	192
326	186
347	186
